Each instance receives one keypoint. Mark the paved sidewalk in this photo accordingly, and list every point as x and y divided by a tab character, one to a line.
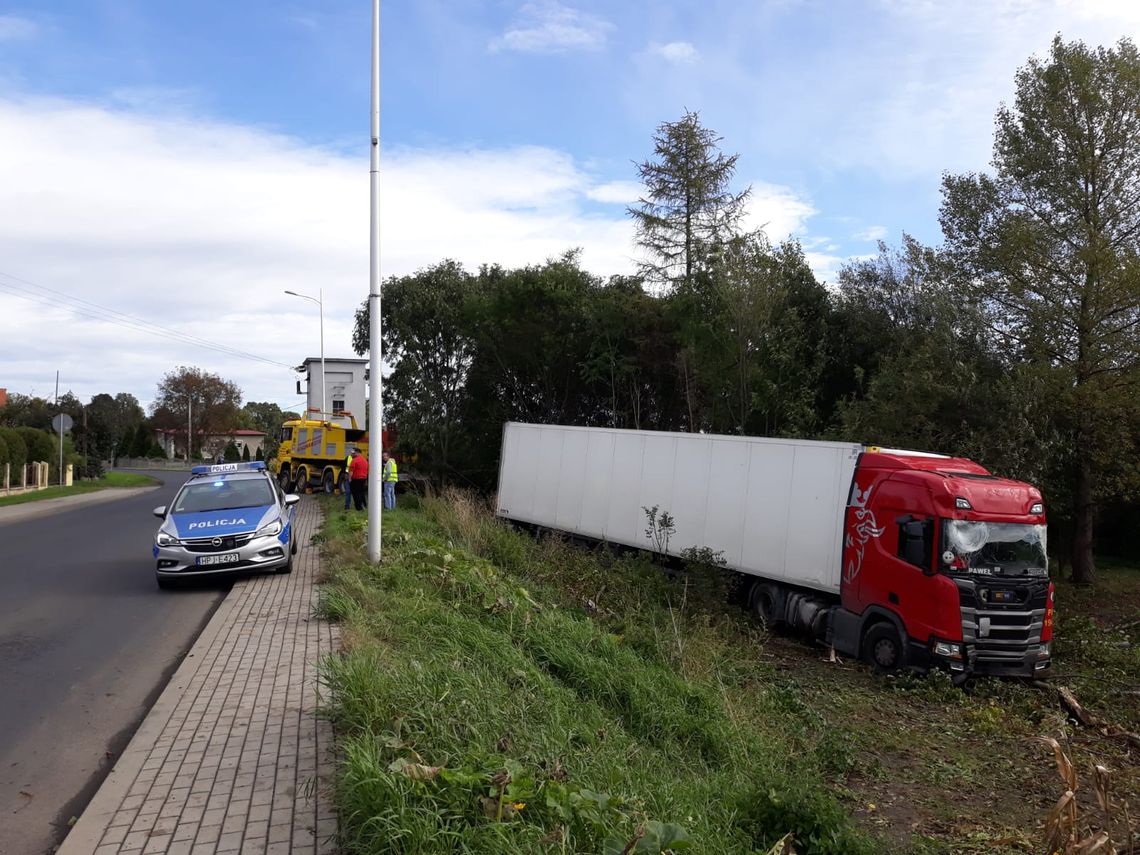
232	757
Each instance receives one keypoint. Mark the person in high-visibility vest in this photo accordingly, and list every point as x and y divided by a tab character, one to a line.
389	477
344	480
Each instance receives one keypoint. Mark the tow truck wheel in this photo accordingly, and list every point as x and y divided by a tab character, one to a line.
328	482
883	649
301	482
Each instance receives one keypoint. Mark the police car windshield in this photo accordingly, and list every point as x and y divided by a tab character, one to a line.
223	494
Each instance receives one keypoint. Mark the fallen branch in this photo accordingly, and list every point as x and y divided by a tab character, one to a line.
1088	719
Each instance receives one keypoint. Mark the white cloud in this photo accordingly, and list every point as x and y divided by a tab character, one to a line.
679	53
200	226
616	192
549	27
778	210
872	233
14	28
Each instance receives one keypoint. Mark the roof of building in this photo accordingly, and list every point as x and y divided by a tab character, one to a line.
329	359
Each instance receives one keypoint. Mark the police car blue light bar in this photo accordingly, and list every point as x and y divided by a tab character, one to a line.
255	466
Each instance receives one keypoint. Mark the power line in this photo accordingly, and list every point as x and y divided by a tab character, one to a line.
85	308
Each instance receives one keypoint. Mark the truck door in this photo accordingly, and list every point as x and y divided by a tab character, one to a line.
890	543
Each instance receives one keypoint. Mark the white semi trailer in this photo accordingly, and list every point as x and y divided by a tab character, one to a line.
773	507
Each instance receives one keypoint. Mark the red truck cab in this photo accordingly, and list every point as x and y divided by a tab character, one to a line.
944	563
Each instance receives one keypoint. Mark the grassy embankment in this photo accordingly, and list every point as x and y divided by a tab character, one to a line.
499	694
111	479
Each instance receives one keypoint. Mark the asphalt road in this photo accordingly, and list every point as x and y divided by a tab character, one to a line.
87	641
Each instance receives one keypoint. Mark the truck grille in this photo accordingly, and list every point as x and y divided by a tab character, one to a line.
1002	635
224	544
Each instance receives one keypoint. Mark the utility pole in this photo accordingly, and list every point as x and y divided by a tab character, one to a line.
375	402
189	425
60	431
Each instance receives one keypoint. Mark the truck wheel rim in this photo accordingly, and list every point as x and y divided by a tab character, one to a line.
885	653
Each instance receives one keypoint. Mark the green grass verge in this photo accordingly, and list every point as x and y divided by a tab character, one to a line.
541	699
111	479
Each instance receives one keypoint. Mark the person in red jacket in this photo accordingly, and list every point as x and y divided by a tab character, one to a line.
358	479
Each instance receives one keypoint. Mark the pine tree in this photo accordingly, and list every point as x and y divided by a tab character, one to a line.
688	208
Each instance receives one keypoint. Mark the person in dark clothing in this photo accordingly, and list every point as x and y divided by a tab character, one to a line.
358	479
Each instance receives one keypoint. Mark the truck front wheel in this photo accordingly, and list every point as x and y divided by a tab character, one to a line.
328	481
301	481
883	649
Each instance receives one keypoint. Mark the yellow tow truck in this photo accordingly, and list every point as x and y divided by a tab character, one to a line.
313	450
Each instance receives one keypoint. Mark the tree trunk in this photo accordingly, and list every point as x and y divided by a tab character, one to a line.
1084	566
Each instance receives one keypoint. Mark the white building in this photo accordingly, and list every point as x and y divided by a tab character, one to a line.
345	384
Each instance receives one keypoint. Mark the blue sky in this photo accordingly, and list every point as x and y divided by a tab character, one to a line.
184	163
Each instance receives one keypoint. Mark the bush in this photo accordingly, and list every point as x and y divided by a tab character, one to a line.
92	470
245	453
40	445
232	455
17	449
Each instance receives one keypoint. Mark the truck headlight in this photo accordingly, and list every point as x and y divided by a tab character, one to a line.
949	649
274	528
1043	650
164	539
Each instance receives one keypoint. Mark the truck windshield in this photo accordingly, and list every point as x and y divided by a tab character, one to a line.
986	548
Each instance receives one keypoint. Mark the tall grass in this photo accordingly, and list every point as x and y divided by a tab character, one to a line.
502	694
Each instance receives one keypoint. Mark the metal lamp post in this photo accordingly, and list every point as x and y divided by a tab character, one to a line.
320	301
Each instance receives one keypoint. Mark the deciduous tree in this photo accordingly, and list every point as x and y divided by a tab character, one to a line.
211	401
1049	247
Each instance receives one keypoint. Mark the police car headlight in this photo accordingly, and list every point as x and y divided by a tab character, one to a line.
274	528
164	539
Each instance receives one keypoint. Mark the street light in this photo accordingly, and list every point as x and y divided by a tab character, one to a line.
320	301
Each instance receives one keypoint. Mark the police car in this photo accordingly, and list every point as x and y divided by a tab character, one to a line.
231	517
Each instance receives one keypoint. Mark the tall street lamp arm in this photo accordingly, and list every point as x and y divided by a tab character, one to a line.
320	301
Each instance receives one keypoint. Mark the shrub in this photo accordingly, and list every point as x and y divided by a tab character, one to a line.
40	445
245	453
17	449
232	455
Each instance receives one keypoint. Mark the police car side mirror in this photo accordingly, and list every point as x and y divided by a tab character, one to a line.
291	500
160	511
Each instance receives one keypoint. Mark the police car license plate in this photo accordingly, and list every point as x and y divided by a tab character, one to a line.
227	558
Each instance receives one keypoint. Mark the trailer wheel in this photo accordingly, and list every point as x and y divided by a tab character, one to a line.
767	605
883	649
301	481
328	481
